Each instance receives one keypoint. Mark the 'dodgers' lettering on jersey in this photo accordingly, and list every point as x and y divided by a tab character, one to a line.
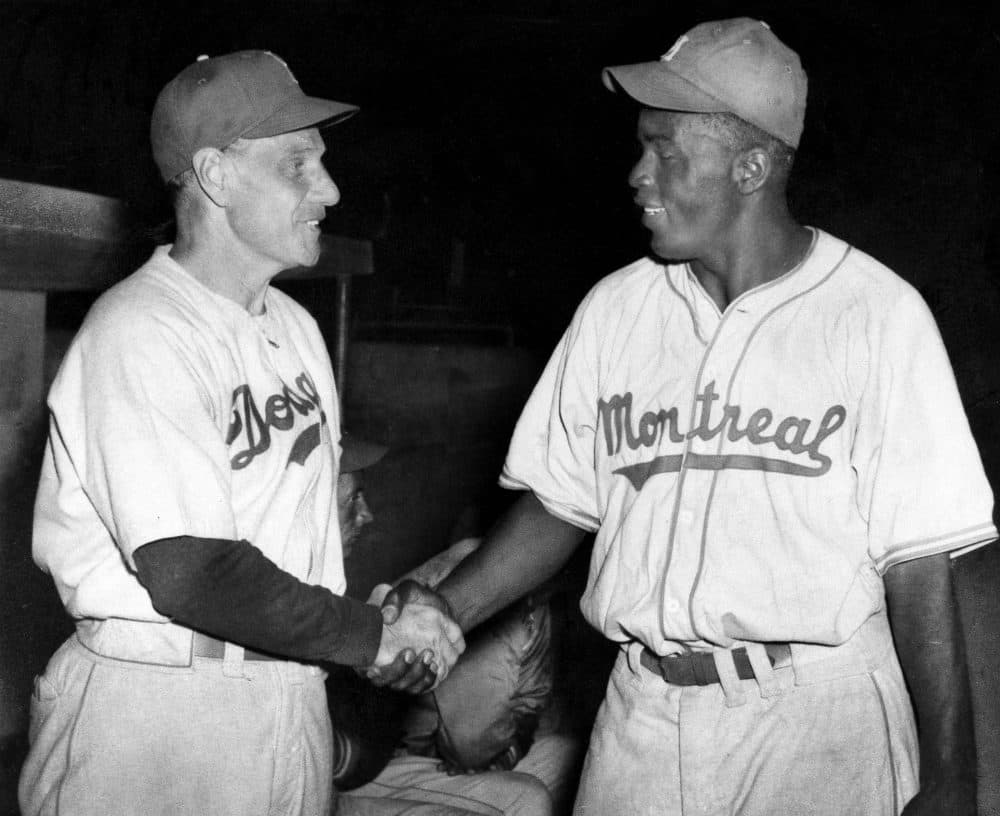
790	434
252	429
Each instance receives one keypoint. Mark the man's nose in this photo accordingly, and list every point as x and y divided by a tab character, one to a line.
325	190
640	174
363	513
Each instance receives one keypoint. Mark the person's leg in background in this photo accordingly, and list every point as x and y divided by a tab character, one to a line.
490	793
555	759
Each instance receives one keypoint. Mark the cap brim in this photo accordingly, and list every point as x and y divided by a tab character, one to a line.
302	112
359	454
654	85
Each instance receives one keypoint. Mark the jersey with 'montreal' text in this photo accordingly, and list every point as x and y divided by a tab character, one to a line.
751	474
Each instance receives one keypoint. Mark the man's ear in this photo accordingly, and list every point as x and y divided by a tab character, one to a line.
751	169
210	169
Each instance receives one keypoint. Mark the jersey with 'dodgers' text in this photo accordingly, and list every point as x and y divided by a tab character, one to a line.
176	412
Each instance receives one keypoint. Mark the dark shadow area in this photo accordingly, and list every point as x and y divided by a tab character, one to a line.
488	169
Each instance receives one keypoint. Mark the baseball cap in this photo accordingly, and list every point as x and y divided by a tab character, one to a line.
215	101
358	454
727	66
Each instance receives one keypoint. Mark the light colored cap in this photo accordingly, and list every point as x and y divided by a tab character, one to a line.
727	66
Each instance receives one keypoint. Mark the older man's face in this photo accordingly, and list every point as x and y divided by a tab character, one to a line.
280	197
352	509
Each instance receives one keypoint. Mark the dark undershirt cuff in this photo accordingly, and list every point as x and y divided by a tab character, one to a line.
232	591
362	636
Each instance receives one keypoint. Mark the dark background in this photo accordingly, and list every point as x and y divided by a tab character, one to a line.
486	123
488	168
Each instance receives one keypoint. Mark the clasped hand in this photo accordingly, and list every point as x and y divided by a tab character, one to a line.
420	640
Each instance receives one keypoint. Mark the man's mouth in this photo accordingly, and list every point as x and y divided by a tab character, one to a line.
653	210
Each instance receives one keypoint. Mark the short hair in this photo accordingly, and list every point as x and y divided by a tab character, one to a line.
181	184
738	134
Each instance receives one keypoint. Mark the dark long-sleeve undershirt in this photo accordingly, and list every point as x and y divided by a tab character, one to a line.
232	591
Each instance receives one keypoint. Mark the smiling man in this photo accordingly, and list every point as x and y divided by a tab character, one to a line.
187	505
761	425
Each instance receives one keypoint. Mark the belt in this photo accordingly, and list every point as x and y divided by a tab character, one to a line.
207	646
698	668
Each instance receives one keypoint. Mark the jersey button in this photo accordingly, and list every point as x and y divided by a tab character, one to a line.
673	605
686	516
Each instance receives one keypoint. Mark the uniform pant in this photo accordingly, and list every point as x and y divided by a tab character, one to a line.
221	737
814	740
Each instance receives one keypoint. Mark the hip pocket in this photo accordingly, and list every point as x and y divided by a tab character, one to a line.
44	698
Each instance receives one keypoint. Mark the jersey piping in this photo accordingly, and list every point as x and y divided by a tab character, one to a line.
772	465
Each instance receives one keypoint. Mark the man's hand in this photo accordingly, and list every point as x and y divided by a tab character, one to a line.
410	592
418	629
408	672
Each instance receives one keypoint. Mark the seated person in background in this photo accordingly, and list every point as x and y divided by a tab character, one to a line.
346	692
484	740
352	506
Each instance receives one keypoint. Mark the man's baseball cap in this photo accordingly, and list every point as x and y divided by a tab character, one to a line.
727	66
359	454
215	101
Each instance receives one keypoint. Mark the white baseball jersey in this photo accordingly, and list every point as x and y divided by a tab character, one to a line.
176	412
751	474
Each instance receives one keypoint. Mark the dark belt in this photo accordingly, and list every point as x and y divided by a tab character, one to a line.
698	668
208	646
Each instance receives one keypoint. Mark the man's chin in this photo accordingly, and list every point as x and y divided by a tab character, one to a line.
310	259
668	251
666	254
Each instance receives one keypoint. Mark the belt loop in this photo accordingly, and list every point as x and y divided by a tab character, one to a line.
762	670
633	651
232	661
728	678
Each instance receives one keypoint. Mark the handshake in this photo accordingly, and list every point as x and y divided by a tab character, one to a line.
420	639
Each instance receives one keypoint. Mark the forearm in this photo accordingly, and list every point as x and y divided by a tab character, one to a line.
931	648
230	590
525	548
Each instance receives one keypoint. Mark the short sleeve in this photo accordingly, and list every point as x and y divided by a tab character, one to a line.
143	432
921	483
552	448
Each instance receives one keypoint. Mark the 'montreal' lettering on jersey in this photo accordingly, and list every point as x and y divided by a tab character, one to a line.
790	434
251	429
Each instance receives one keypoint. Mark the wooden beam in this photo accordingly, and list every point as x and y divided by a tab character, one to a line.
40	261
52	238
